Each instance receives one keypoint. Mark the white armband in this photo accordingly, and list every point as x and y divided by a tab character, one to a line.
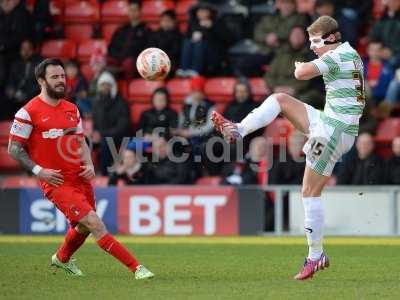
36	169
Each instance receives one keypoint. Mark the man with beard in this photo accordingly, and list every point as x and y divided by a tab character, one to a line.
47	139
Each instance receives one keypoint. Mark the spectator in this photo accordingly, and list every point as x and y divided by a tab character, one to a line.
44	27
98	63
290	170
15	26
272	32
368	122
242	103
364	169
110	118
378	72
279	78
346	15
129	171
128	41
195	119
160	116
163	170
204	44
22	86
392	98
77	89
168	37
393	164
387	31
247	171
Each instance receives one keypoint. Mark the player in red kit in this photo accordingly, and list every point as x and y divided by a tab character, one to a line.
47	139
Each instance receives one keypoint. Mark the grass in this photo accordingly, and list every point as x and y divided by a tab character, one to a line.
203	268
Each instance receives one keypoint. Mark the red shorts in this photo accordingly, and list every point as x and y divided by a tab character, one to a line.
74	200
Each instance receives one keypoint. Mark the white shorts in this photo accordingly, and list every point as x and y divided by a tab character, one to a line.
326	143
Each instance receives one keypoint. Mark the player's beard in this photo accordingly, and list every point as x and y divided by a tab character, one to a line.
54	93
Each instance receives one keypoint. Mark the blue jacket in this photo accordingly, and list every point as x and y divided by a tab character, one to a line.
387	74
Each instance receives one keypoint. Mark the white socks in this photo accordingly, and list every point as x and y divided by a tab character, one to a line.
313	222
260	116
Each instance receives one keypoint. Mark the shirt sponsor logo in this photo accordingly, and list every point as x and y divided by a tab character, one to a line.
53	133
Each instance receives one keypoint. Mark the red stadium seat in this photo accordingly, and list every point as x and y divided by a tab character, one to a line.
82	12
19	182
220	89
78	32
107	31
63	49
136	111
115	11
57	10
87	72
279	131
387	130
88	47
123	88
141	90
220	107
179	89
258	88
7	163
4	131
378	9
209	180
183	26
151	10
182	9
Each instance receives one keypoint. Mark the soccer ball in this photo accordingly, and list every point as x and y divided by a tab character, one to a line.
153	64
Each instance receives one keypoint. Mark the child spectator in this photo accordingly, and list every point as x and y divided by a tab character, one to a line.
129	171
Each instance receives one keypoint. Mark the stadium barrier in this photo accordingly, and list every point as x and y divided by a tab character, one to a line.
204	210
349	210
144	210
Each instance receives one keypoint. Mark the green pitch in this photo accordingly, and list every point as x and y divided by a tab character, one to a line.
203	268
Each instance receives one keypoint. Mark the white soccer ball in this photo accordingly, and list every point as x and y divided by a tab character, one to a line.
153	64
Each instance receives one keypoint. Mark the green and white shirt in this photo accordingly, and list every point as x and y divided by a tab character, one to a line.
343	73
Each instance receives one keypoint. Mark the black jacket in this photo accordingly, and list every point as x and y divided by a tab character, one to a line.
286	172
22	77
128	41
138	178
14	28
167	172
111	117
152	118
368	171
393	170
247	171
169	41
236	111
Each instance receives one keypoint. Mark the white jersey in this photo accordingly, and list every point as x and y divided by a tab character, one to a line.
343	73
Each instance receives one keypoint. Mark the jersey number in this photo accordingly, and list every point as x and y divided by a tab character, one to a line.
359	87
316	148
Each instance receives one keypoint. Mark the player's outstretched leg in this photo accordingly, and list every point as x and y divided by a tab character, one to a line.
316	260
74	239
109	244
291	108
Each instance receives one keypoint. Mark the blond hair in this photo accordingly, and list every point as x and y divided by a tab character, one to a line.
324	25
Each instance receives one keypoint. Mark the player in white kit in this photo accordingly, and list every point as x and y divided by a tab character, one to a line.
330	133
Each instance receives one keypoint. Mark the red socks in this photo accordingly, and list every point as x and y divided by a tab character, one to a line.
109	244
73	240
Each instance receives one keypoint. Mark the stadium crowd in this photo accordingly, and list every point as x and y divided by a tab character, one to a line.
226	55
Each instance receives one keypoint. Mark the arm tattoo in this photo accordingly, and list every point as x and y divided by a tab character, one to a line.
18	152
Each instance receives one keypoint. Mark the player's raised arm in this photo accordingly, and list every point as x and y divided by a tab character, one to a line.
305	70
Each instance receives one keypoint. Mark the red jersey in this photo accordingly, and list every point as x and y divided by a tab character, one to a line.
51	135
